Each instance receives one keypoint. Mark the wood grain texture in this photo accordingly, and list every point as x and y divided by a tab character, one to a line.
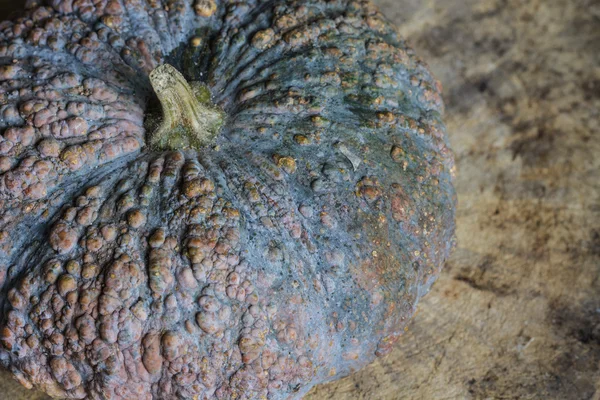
516	314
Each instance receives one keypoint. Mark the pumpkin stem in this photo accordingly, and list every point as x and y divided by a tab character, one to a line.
190	120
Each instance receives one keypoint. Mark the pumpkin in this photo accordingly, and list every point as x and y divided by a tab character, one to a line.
220	199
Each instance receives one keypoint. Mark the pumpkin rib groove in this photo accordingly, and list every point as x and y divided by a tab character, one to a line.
250	65
257	28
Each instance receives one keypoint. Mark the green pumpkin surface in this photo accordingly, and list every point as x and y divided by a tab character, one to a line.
288	250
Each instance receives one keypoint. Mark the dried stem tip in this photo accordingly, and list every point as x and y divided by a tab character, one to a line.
190	120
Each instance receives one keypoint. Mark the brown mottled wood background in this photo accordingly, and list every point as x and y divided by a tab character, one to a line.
516	313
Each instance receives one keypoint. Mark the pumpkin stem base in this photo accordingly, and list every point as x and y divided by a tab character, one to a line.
190	120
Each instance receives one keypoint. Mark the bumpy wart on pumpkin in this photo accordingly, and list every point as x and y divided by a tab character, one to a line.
213	198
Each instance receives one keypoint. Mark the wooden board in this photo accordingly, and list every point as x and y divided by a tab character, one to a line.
516	313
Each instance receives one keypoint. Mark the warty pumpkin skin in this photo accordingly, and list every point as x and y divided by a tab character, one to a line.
290	250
